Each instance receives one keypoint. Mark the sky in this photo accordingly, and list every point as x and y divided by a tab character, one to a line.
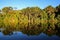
20	4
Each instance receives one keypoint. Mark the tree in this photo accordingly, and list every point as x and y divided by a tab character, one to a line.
7	9
57	10
58	18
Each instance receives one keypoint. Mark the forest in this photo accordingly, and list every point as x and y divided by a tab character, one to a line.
30	18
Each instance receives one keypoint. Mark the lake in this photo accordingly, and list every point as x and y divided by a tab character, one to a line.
30	33
21	36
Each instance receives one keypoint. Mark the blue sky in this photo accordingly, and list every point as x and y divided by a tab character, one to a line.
19	4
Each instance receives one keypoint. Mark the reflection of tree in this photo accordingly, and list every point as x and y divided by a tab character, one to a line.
8	31
34	30
57	28
53	30
50	32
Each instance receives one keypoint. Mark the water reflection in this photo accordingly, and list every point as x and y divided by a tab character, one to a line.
48	29
21	36
45	30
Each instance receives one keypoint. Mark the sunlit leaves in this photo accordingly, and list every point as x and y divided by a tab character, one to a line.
13	20
6	9
29	18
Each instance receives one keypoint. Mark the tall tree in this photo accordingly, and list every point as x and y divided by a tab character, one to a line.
57	10
6	9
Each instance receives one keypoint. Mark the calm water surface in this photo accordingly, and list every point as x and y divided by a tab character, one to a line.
21	36
30	33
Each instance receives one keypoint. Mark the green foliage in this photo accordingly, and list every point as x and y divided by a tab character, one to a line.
30	17
6	9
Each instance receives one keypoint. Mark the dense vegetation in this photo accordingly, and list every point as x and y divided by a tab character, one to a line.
30	18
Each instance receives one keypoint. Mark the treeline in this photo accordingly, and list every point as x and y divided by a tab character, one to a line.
29	16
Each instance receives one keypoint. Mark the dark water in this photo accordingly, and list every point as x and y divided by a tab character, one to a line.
21	36
39	32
